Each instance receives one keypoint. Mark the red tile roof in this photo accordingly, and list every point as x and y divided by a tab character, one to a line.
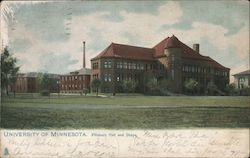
173	42
140	53
126	51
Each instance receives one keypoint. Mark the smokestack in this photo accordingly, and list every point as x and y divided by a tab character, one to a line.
83	61
196	47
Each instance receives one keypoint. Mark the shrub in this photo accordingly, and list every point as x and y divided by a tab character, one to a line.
191	86
128	86
245	91
45	93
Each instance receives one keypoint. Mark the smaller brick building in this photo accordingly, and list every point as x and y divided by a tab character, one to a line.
29	82
76	81
242	79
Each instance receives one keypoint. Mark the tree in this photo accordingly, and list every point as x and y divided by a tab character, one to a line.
163	86
48	83
191	85
211	88
149	82
9	70
96	84
128	86
231	89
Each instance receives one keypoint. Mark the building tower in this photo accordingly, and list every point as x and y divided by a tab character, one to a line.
173	56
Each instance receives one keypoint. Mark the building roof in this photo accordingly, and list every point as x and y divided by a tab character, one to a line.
37	74
174	42
126	51
140	53
247	72
82	71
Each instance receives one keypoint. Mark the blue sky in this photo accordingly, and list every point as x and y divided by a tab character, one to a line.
47	36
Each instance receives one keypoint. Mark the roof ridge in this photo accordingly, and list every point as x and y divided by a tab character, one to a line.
161	41
131	45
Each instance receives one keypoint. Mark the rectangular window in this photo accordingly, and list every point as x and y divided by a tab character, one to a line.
105	77
125	65
118	78
105	64
172	74
95	65
133	66
119	65
193	69
109	79
109	64
130	66
172	58
142	66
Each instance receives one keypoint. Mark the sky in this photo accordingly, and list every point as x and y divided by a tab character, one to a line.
47	36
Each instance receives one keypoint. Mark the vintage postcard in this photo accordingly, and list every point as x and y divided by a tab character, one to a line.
125	79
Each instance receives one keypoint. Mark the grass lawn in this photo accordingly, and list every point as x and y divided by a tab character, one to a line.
124	112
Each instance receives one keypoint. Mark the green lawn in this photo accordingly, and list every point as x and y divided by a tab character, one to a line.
124	112
139	100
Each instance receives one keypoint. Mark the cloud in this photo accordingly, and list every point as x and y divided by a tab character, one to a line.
53	62
143	28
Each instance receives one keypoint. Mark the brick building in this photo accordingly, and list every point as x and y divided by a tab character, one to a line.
76	81
170	59
29	82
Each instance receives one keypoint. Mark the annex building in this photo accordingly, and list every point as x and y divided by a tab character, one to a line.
29	82
170	59
242	79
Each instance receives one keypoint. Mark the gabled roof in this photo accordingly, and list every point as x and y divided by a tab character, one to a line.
247	72
82	71
140	53
126	51
174	42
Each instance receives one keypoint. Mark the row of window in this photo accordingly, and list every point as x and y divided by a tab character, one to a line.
72	78
198	69
128	65
72	86
124	65
121	77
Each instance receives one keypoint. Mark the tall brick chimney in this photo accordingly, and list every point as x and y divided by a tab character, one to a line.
196	47
83	61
